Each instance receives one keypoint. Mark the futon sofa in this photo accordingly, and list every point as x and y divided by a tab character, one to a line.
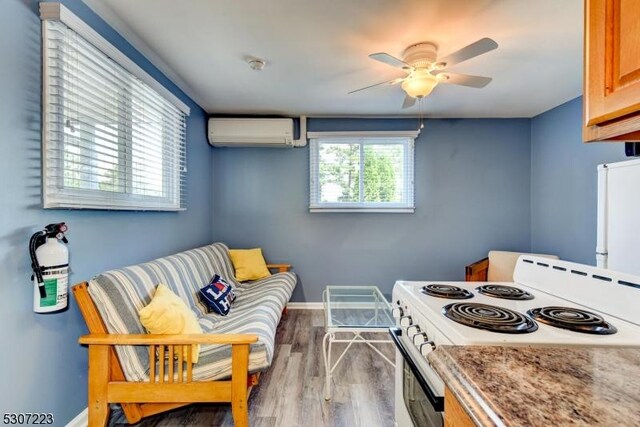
236	346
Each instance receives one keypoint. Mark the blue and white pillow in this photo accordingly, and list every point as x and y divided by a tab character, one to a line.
217	296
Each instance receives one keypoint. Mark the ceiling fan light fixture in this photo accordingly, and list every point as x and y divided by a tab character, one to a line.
419	84
425	68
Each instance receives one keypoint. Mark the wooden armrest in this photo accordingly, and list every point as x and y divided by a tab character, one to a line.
282	268
151	339
477	271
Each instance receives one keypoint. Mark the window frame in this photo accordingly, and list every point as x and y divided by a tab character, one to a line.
362	139
68	197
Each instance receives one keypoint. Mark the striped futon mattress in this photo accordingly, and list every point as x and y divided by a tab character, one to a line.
120	294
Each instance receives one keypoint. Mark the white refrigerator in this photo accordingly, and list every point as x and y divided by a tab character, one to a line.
618	246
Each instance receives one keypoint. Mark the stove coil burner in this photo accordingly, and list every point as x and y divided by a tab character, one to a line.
489	317
504	292
573	319
446	291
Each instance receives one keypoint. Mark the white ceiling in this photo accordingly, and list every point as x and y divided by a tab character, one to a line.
316	51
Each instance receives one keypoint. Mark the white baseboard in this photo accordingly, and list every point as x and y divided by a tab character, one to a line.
304	305
81	420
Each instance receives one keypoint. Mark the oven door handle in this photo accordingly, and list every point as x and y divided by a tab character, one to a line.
436	401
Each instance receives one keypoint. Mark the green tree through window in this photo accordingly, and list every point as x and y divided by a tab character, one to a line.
380	174
339	172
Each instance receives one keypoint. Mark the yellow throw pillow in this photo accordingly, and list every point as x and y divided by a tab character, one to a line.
249	264
168	314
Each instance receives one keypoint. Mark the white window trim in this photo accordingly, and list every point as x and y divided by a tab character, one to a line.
357	207
58	12
391	133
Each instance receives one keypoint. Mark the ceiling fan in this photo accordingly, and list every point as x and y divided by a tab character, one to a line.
425	70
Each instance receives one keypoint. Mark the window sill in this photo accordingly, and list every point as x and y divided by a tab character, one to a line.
362	210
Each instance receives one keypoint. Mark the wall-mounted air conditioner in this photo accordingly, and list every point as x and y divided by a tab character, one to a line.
236	132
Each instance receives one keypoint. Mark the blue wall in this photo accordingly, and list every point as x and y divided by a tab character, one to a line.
43	367
472	194
564	183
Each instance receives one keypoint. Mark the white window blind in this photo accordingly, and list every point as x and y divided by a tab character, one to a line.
110	140
361	173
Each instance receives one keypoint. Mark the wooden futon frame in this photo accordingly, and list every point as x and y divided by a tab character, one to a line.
477	272
107	383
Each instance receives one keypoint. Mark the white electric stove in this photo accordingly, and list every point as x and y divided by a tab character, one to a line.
550	302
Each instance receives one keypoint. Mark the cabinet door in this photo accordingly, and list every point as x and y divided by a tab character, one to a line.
612	59
454	413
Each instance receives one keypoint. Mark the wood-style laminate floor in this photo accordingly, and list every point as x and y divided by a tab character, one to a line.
290	392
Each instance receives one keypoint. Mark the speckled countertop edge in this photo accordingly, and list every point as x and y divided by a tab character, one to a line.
471	400
542	386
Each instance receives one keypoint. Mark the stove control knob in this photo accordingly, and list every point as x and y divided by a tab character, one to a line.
419	339
406	321
397	312
413	330
427	347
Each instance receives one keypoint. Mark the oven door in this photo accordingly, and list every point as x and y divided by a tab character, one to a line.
414	395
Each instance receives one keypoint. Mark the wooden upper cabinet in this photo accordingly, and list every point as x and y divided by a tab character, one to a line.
612	70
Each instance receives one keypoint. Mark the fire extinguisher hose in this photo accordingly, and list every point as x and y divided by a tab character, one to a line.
35	266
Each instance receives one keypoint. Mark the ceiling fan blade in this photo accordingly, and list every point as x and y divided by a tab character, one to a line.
474	49
390	82
409	102
390	60
465	80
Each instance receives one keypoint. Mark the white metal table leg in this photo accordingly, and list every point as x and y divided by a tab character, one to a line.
376	306
326	352
324	307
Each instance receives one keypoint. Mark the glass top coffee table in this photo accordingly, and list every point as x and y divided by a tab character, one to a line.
351	311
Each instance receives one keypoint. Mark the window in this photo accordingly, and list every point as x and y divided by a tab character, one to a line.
361	172
113	138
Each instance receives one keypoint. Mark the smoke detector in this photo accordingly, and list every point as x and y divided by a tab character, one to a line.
256	64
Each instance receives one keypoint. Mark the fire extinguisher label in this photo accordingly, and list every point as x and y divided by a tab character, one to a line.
51	286
56	289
